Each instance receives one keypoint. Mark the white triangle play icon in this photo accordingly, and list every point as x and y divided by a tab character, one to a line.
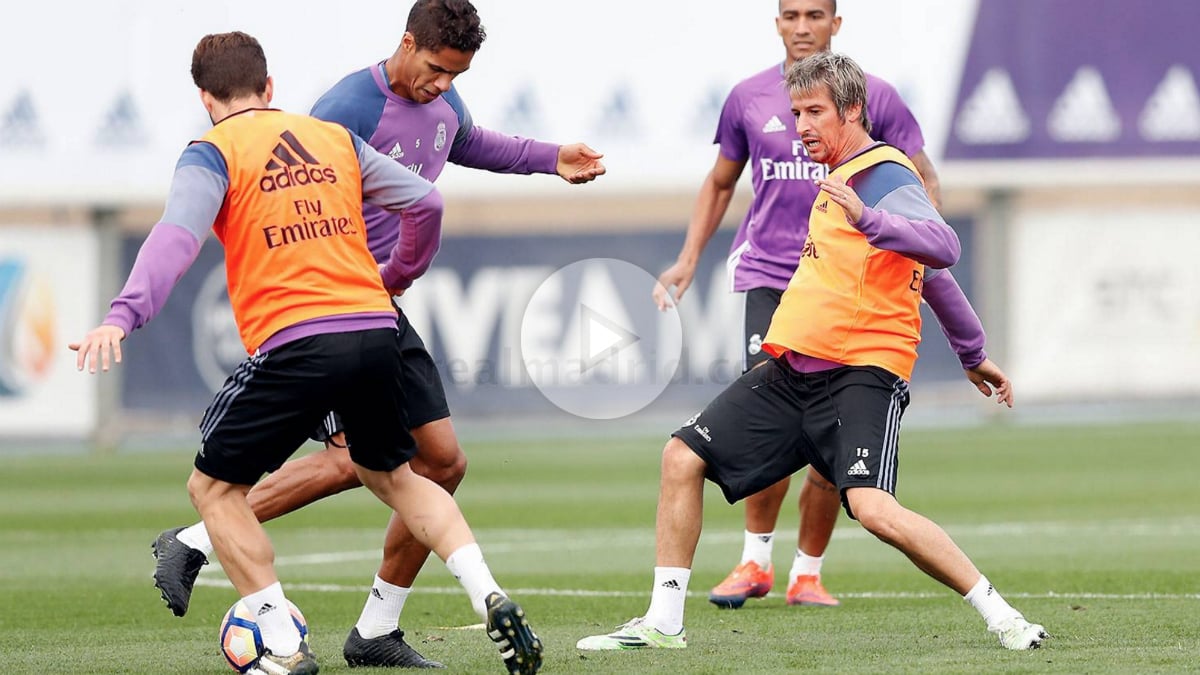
600	337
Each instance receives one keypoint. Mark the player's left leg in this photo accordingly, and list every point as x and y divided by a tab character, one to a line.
180	552
247	557
370	405
754	575
431	514
862	452
933	551
819	505
377	639
253	425
677	532
717	444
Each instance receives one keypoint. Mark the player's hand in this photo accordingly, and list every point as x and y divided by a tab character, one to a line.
987	375
844	196
102	344
678	276
577	163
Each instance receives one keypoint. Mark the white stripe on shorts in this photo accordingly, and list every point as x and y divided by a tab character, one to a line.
891	438
235	385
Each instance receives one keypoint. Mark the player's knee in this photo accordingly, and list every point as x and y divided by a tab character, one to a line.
679	461
204	489
446	466
339	468
197	487
877	517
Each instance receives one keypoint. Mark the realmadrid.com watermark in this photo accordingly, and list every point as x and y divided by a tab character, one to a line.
593	342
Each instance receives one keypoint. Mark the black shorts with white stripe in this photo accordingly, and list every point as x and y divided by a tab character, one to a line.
272	402
774	421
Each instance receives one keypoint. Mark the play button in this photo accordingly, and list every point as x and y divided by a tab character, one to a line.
593	342
601	337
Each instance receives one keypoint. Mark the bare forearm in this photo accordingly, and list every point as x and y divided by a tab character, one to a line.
711	205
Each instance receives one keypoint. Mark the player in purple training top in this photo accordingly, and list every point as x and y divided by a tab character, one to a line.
407	108
756	128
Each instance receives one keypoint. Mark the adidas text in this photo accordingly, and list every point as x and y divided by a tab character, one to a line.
293	165
294	176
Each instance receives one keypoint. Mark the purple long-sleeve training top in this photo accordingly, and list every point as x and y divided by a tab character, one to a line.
423	137
757	127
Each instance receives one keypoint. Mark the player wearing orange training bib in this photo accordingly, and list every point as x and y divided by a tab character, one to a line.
834	394
284	195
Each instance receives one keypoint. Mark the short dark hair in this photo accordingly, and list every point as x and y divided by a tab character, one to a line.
445	23
832	6
229	65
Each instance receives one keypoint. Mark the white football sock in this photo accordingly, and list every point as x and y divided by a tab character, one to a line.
274	618
805	565
666	600
196	537
467	565
757	547
381	614
987	601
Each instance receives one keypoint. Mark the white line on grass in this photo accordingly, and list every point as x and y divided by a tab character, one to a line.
553	540
587	593
548	540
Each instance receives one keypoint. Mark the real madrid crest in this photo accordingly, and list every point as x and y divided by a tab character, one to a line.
440	139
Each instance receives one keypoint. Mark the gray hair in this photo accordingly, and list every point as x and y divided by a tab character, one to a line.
846	82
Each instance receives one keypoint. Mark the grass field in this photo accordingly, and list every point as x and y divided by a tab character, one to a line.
1092	531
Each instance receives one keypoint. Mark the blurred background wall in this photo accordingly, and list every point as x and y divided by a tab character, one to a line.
1066	134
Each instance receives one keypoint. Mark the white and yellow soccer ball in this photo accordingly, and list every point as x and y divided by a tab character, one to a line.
241	641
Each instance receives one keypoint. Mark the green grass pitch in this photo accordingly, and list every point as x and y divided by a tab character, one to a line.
1093	531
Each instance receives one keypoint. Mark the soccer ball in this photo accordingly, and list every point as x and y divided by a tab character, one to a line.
241	642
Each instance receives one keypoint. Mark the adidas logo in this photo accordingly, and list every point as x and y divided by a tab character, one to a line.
122	124
671	584
765	538
773	125
992	114
823	207
287	152
375	592
396	152
267	607
1083	113
859	469
1173	111
292	162
19	125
